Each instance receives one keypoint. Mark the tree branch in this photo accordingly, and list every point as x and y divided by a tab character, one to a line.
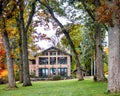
31	15
97	3
88	10
52	14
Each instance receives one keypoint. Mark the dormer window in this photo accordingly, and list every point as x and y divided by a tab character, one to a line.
45	53
53	53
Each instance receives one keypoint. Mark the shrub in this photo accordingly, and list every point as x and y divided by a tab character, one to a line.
3	80
56	77
32	75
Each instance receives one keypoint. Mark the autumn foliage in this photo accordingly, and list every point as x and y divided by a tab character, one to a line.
3	68
106	12
106	50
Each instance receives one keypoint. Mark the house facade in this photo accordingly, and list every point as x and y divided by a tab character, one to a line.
52	61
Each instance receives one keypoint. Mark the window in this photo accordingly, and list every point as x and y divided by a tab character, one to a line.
43	60
62	71
52	71
33	61
45	53
62	60
52	60
60	53
53	53
43	72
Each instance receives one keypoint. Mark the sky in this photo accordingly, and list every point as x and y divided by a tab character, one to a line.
44	44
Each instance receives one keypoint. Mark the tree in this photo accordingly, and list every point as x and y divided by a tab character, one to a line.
109	11
89	6
87	49
24	26
66	33
7	9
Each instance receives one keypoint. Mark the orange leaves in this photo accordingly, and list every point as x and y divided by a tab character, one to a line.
108	11
104	13
1	67
2	54
106	50
3	73
3	70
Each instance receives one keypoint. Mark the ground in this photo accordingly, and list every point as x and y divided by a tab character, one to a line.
59	88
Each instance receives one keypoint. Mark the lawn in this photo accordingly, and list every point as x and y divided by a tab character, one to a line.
59	88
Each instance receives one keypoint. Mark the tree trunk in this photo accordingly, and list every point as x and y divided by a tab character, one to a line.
20	64
114	49
99	66
24	29
11	77
114	59
20	46
26	76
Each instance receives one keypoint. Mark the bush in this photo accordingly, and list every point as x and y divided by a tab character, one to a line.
3	80
56	77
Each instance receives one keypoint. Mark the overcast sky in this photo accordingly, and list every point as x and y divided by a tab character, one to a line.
44	43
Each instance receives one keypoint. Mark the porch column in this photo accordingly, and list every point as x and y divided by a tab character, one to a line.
69	65
37	66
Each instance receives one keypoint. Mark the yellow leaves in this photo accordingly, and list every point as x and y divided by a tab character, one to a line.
15	52
8	13
10	26
106	50
9	9
12	32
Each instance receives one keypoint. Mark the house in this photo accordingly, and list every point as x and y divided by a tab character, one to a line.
52	61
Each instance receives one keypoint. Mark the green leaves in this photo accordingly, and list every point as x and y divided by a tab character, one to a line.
75	34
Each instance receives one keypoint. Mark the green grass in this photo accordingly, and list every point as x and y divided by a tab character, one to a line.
59	88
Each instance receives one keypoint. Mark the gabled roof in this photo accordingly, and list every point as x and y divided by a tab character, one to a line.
56	49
